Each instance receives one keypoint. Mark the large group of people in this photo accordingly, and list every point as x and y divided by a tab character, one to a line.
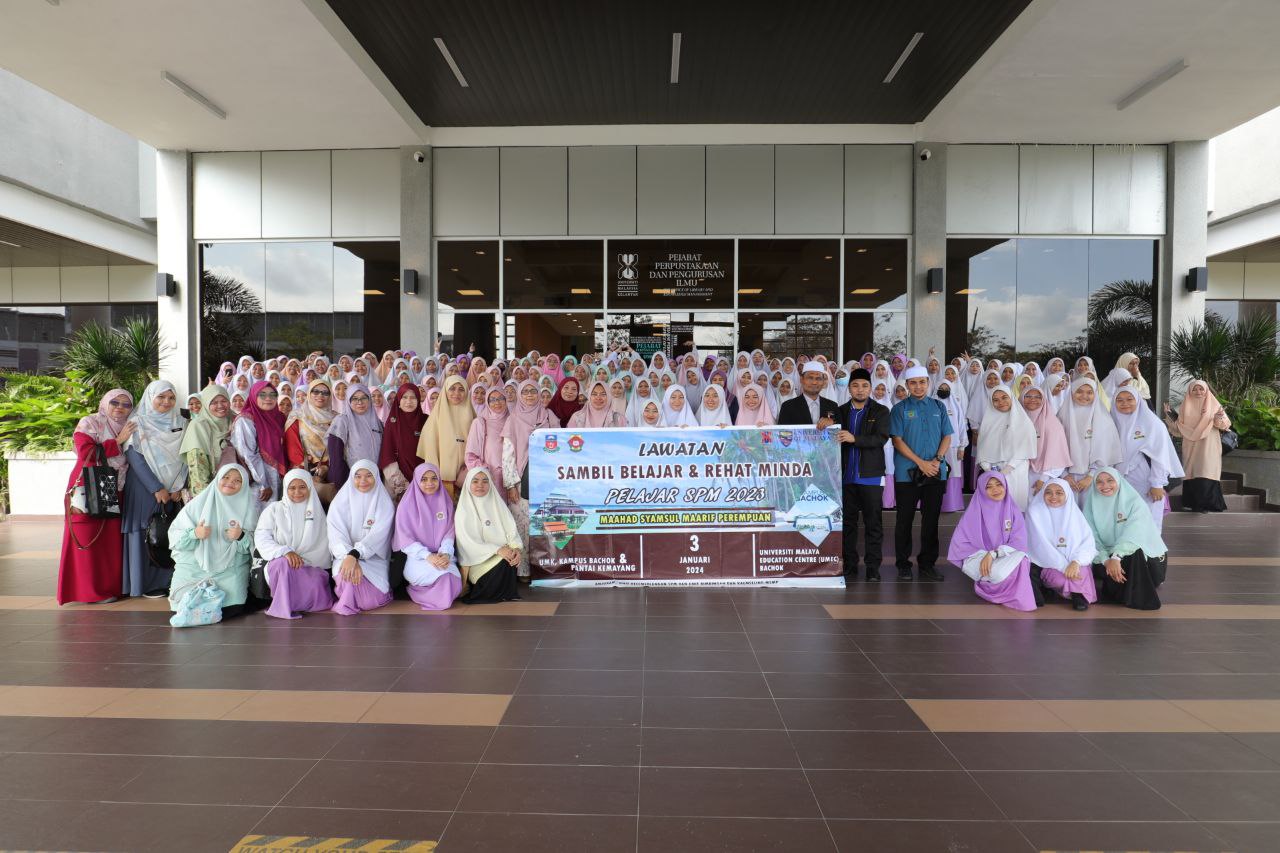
343	482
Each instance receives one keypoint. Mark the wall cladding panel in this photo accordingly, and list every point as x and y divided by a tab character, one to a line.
602	189
132	283
1055	189
671	189
982	189
1129	189
534	192
297	194
366	192
809	189
227	187
84	284
740	189
6	285
877	189
36	286
465	191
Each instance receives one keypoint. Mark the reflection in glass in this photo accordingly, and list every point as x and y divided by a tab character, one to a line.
553	273
1052	295
875	273
243	263
981	297
32	337
788	334
467	273
792	274
563	333
1122	300
881	332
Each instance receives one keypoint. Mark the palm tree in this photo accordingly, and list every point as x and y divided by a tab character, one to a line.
1240	361
1122	319
104	358
230	321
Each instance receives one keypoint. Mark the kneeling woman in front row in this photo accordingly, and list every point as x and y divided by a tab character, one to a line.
361	518
212	537
990	545
487	541
1060	544
424	533
293	536
1131	558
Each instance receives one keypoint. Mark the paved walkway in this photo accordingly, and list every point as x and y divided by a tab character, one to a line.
882	718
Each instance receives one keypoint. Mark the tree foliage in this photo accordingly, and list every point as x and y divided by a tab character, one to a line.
104	358
230	321
1240	361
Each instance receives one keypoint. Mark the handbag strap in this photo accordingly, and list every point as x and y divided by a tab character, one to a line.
72	530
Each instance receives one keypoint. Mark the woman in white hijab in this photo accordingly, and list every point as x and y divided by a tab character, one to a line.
293	537
1060	544
641	395
714	413
361	519
1057	386
157	478
1007	442
675	408
1091	436
1149	456
486	542
1118	378
212	537
694	384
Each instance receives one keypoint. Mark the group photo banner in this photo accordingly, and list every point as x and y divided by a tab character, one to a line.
702	506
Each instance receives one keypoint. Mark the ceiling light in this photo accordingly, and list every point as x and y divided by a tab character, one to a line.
861	251
453	269
508	260
888	269
471	293
453	66
804	278
528	279
664	291
193	94
374	293
969	290
396	279
750	291
580	291
864	291
675	57
827	257
479	251
7	243
906	51
1164	75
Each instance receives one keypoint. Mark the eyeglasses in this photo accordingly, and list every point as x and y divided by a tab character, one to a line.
320	392
271	394
119	405
360	398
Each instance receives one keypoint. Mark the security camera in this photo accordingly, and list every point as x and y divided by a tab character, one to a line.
925	154
419	157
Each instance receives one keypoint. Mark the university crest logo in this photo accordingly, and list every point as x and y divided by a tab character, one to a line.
550	444
575	443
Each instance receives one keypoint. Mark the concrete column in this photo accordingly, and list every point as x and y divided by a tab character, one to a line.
417	313
928	312
1185	245
178	317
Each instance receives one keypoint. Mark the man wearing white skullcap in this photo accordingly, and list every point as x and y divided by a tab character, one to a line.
921	430
810	408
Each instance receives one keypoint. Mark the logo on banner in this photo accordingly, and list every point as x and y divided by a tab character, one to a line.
766	436
575	443
551	444
627	266
785	436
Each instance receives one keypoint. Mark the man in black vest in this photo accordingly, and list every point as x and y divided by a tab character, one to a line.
809	408
864	430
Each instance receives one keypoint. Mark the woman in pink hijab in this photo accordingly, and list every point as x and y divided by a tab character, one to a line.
527	415
91	569
1053	454
598	411
753	409
484	439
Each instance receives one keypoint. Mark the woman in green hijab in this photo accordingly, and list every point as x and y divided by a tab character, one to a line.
206	437
1131	554
212	539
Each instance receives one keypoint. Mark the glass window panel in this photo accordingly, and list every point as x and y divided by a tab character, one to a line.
881	332
467	273
553	273
562	333
298	333
981	297
466	330
299	297
232	294
792	274
1052	295
667	275
875	273
784	335
242	263
1227	310
1122	300
366	293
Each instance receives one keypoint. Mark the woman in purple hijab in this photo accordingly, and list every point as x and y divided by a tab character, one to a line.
990	545
424	533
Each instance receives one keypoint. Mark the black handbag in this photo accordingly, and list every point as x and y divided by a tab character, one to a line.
158	534
1230	441
101	488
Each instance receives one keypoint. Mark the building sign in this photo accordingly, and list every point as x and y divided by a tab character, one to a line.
701	506
671	274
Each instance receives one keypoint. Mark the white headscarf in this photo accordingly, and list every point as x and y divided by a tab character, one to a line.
1091	434
300	527
1118	378
482	525
1059	398
218	512
158	437
636	403
361	518
1142	432
1006	436
709	416
684	417
1058	535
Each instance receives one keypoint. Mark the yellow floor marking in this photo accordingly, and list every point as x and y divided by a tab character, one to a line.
312	844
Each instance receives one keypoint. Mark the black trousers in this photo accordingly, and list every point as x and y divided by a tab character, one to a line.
864	500
906	496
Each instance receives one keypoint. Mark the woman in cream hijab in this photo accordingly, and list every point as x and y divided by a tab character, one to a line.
444	438
1200	424
486	541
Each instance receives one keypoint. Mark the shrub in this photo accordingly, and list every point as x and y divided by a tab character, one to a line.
106	358
1258	424
39	413
1240	361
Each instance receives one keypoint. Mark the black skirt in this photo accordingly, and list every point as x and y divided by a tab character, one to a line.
497	584
1203	495
1142	574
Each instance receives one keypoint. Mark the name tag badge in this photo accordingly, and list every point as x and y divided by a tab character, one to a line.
911	413
368	522
440	516
1008	524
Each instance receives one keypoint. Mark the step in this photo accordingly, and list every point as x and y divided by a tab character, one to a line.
1235	503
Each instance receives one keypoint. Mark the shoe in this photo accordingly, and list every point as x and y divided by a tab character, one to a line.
873	576
1078	602
930	574
159	593
110	600
905	574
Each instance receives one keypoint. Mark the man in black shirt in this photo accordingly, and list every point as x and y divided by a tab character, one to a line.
864	429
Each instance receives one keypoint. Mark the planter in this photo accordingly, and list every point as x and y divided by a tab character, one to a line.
38	481
1260	469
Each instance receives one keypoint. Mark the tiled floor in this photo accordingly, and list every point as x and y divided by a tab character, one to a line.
880	718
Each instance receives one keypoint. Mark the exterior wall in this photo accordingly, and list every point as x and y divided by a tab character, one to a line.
1243	280
68	285
61	151
1246	171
